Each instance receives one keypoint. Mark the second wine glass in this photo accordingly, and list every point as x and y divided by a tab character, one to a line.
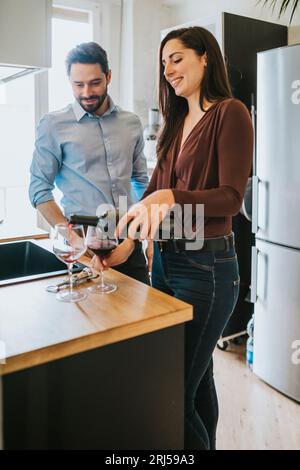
69	244
102	244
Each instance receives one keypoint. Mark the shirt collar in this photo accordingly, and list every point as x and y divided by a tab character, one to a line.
80	112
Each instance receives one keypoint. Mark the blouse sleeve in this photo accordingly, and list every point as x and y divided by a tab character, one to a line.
234	153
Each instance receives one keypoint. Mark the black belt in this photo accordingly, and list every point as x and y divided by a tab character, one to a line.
210	244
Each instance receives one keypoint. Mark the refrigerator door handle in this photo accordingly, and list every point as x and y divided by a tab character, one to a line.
255	182
253	287
253	119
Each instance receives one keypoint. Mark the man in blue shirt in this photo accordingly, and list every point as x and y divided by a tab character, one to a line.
93	151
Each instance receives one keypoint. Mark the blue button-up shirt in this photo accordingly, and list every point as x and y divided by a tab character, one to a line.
92	159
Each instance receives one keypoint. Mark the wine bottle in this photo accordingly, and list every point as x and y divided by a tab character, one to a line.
108	221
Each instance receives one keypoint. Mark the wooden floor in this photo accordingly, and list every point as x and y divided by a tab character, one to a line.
252	414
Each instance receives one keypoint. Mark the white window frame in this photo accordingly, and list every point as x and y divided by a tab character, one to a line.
41	79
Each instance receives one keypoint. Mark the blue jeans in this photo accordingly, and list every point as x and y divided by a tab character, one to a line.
135	266
210	282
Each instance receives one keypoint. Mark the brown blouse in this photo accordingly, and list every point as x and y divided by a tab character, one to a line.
212	167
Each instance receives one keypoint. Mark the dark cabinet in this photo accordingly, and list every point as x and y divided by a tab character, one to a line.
242	39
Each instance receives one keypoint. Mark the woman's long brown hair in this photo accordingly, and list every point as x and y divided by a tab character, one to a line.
214	87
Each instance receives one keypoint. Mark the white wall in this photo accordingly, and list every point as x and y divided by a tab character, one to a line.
142	22
294	35
126	57
155	17
110	27
188	10
130	33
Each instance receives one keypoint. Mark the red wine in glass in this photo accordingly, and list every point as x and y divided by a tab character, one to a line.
102	248
99	243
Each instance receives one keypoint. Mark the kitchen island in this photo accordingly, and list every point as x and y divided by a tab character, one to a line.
105	373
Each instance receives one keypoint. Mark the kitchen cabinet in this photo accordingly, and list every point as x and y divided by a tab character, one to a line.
25	37
106	373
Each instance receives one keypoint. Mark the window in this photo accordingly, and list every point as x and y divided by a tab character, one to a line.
69	28
22	103
17	124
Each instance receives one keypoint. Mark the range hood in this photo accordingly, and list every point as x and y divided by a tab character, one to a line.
25	37
10	72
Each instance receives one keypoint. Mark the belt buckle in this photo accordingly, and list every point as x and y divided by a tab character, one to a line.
175	245
228	242
160	246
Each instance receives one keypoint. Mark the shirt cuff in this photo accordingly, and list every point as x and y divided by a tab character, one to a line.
43	199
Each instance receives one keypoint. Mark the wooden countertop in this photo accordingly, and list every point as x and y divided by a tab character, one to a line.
36	328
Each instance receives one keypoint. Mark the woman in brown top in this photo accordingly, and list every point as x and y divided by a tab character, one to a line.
204	157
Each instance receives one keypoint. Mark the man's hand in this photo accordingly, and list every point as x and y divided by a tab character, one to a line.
118	256
52	213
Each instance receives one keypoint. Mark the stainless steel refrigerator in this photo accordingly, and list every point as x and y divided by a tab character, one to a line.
275	283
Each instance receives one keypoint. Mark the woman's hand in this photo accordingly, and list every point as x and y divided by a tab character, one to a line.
118	256
146	216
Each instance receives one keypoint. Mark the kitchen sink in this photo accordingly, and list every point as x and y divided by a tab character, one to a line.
26	261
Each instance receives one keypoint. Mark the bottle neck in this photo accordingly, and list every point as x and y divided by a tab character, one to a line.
84	220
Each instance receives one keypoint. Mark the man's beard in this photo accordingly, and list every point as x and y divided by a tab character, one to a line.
93	107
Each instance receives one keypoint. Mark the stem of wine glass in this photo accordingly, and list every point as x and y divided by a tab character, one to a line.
70	267
102	278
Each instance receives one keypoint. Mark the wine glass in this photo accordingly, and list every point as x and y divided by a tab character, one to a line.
69	244
101	243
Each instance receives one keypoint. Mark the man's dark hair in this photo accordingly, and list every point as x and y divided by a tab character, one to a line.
87	53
